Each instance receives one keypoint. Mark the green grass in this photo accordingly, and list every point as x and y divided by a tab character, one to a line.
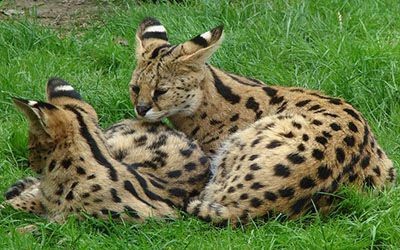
280	42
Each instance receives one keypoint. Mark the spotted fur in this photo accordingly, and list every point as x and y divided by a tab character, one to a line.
132	171
277	149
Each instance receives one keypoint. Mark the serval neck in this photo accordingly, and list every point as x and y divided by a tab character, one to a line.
220	106
88	154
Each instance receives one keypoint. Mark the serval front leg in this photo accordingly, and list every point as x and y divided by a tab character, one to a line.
25	195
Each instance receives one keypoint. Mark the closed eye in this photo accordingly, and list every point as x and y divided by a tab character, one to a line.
135	89
159	92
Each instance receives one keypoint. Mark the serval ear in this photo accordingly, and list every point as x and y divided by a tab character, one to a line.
58	88
38	114
200	48
151	36
60	92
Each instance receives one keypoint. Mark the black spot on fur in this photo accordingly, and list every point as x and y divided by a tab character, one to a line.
315	107
330	115
223	90
95	187
186	152
365	161
276	100
340	155
255	202
377	171
288	135
326	134
131	212
252	104
177	192
295	158
270	91
66	163
353	127
335	101
301	147
281	170
249	177
318	154
321	140
352	113
307	182
255	142
85	195
162	140
233	129
244	196
274	144
60	189
80	170
286	192
52	165
335	126
174	174
141	141
92	176
215	122
270	196
189	166
235	117
111	213
114	195
353	177
253	157
70	196
194	131
369	181
296	125
317	122
324	172
256	186
298	206
302	103
305	137
203	160
121	154
349	140
254	166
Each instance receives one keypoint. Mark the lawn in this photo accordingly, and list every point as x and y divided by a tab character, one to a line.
349	49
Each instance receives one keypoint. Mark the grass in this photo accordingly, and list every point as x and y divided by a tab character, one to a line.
344	48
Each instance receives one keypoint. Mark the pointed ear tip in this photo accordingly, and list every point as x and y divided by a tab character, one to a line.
218	31
18	100
149	21
56	81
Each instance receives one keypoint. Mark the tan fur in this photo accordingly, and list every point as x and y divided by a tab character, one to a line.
133	171
302	142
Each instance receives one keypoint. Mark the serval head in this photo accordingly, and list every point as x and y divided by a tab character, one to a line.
167	79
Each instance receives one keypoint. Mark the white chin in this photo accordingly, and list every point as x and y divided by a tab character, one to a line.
153	116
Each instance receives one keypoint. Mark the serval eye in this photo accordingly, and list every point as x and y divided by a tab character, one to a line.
159	92
136	89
